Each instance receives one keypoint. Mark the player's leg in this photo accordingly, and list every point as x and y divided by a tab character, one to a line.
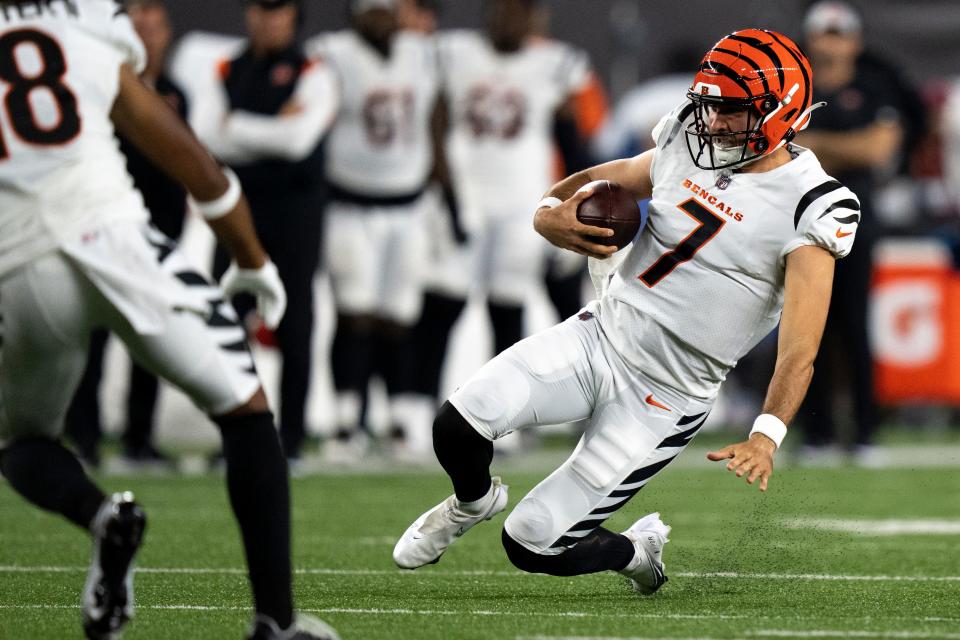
46	312
353	256
432	338
545	379
447	281
853	278
82	424
206	355
401	296
556	529
296	261
446	286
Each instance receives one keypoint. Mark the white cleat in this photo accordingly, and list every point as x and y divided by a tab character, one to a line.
426	539
304	627
646	570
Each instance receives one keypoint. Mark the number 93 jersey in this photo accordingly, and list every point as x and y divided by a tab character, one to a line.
703	282
502	111
61	171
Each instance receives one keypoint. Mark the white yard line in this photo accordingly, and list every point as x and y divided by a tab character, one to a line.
815	576
833	633
612	638
779	633
730	575
776	633
883	527
414	612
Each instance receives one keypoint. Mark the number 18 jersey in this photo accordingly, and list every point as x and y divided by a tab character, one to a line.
61	171
703	282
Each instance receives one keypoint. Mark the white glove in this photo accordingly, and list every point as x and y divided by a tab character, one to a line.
264	284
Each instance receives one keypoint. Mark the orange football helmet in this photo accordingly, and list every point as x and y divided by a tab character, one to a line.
762	72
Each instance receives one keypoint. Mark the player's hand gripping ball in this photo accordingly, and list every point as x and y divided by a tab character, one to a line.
612	207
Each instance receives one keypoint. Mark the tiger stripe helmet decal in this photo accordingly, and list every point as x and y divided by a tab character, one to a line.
762	71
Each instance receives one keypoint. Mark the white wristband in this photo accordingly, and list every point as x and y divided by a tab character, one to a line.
549	202
770	426
223	205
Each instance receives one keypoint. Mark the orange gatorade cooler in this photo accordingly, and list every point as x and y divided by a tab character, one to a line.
915	322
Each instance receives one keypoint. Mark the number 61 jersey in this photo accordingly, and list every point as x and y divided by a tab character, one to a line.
703	282
61	171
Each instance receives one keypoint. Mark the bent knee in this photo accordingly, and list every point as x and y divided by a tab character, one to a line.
521	557
526	560
531	525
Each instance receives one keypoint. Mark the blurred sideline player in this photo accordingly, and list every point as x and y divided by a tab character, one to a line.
742	233
77	254
167	203
511	98
380	160
266	120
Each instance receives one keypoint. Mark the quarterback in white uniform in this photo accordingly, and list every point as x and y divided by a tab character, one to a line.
743	232
76	254
380	159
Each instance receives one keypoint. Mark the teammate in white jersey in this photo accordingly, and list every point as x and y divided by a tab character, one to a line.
380	159
507	93
743	232
76	254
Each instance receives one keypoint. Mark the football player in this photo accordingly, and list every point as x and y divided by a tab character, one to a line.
744	228
380	159
76	254
511	98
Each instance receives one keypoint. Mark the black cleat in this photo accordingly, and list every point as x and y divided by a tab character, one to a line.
107	601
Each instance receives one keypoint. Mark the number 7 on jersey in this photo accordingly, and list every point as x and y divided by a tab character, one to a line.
708	224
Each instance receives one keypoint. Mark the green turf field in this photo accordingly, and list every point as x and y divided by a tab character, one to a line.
737	569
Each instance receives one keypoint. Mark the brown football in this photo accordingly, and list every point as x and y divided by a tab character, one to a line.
613	207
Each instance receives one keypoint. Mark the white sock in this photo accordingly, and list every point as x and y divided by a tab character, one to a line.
477	507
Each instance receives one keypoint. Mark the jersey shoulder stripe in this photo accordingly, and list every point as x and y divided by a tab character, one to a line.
812	196
848	203
828	203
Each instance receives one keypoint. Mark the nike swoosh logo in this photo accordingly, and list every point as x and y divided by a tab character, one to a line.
649	400
843	234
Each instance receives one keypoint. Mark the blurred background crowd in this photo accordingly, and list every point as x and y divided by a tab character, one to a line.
393	152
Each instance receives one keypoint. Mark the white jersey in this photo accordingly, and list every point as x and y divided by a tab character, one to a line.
703	282
502	108
380	144
62	173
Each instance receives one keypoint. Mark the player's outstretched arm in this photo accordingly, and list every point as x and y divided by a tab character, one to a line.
807	290
559	223
144	119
